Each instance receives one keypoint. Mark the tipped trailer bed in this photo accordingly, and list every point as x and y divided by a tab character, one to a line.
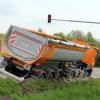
31	53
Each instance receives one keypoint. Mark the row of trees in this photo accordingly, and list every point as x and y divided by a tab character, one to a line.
76	34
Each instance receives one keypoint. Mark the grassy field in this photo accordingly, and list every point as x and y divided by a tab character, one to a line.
49	90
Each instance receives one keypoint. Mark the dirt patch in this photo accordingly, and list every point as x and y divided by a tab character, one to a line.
36	86
5	98
26	91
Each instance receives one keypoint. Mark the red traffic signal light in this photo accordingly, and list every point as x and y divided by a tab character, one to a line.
49	18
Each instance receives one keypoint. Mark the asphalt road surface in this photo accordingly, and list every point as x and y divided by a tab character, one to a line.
2	76
96	73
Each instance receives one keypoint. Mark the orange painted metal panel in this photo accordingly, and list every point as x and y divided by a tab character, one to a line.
88	57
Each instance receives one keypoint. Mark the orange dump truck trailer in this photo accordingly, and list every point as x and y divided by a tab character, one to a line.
31	53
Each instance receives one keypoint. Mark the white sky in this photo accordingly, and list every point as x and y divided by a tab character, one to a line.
33	14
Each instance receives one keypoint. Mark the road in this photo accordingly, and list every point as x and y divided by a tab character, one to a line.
2	76
96	73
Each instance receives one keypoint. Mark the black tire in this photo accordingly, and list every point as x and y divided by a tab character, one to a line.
42	75
59	74
51	75
89	72
70	76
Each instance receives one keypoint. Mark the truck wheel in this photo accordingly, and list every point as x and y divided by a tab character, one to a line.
70	76
42	75
66	77
50	73
90	72
81	74
59	74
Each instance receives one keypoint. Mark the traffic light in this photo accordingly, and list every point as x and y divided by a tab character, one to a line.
49	18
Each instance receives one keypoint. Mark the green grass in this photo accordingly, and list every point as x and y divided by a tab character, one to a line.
49	90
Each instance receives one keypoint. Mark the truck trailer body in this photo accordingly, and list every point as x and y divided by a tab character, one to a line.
35	53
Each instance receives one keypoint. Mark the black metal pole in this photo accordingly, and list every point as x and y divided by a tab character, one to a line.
77	21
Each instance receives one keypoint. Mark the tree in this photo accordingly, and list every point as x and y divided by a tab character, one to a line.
91	40
40	29
59	34
76	34
1	35
90	37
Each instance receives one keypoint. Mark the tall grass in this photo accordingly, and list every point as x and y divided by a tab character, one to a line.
50	90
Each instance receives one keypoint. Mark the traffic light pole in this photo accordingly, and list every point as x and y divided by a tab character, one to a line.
76	21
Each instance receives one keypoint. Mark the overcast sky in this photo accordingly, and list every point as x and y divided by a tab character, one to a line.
33	14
